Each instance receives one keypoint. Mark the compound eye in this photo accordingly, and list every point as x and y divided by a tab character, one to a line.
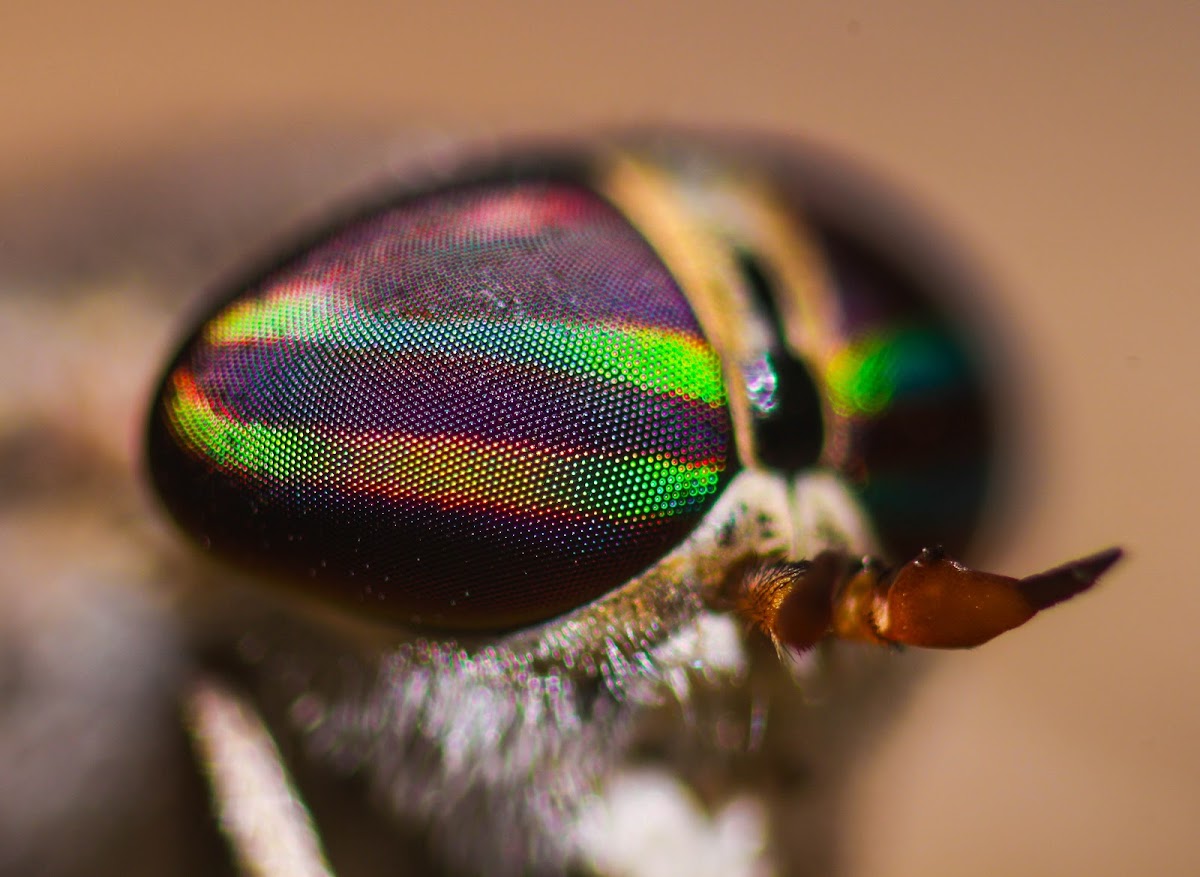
914	398
478	409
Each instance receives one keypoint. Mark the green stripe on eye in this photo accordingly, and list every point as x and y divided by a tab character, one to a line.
510	476
659	361
867	376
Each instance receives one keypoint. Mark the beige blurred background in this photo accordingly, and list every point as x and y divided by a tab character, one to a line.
1059	142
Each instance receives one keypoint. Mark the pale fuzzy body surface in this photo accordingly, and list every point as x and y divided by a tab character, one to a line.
695	746
662	750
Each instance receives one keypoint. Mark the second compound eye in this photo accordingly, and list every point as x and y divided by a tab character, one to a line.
478	409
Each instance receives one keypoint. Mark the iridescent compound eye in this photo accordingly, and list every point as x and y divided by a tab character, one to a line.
481	408
919	441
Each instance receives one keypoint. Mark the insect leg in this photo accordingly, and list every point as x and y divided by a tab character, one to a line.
258	808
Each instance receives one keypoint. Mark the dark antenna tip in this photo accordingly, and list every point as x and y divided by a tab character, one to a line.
1045	589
